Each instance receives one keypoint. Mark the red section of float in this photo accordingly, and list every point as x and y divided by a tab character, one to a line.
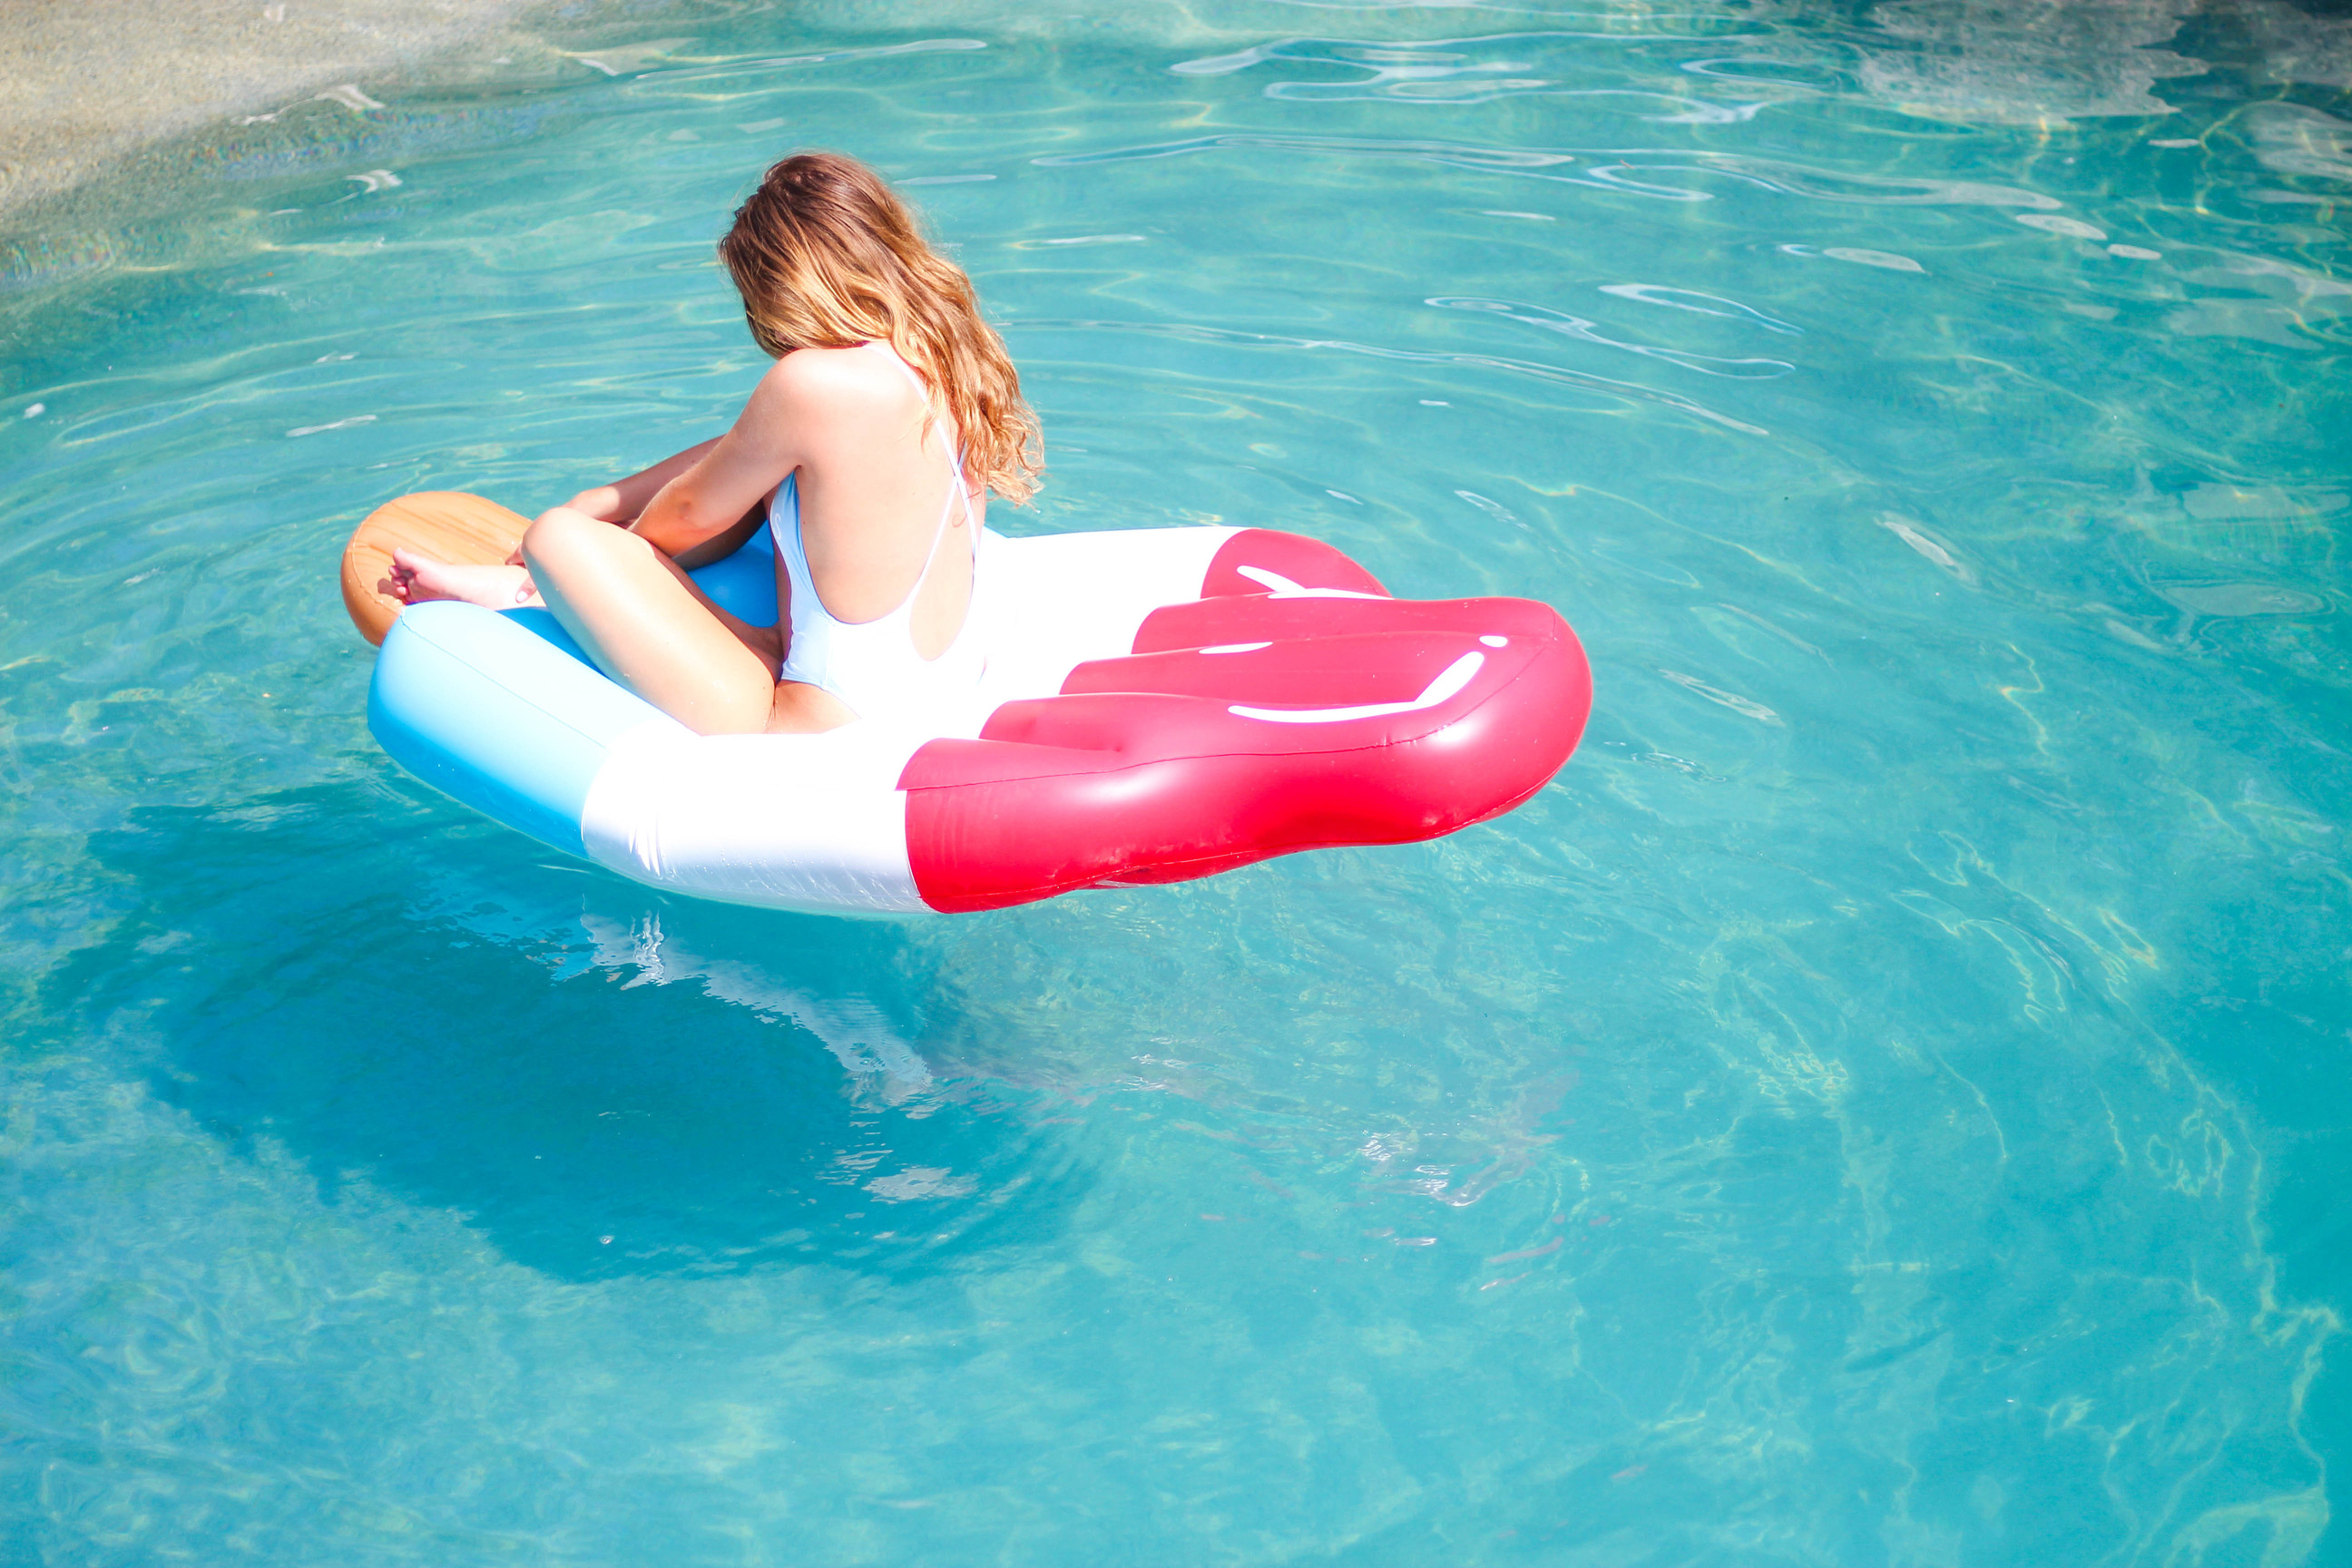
1293	705
1261	560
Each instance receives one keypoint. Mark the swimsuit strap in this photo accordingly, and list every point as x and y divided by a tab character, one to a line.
956	484
891	352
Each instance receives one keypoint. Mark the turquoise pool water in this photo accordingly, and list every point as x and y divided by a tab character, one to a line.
1884	1104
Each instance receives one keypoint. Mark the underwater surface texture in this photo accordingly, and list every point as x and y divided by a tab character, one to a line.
1884	1103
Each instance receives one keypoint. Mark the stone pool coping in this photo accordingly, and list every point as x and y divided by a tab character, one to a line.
86	85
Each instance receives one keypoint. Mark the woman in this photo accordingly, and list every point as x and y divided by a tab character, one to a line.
870	448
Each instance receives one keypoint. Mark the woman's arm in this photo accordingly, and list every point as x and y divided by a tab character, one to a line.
623	500
708	499
719	546
800	406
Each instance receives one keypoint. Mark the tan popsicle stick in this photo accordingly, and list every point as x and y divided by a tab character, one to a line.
449	525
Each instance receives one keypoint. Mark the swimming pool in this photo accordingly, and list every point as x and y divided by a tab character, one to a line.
1884	1103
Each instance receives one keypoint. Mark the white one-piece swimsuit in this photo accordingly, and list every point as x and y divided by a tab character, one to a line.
872	666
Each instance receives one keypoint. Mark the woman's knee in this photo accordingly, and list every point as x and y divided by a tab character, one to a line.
561	538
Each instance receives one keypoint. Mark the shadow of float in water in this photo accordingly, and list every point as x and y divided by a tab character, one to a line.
602	1081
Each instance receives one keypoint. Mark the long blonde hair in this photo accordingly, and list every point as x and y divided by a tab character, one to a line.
827	256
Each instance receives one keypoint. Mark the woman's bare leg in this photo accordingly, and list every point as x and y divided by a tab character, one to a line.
647	624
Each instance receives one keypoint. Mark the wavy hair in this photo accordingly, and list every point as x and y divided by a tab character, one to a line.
827	256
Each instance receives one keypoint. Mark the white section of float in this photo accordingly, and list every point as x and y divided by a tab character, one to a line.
799	822
817	823
1054	601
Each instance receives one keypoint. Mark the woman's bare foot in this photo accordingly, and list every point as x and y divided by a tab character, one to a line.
418	579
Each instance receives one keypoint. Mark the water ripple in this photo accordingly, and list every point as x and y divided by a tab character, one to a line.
1558	375
1784	177
1584	331
1680	299
1449	71
755	65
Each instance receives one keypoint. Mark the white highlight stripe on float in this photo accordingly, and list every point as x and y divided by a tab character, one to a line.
1451	680
1282	587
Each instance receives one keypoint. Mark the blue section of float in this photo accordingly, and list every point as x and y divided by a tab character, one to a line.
499	713
744	584
503	711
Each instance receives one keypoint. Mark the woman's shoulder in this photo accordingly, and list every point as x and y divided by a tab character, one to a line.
815	403
833	381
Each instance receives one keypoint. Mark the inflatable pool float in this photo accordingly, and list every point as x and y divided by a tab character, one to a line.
1159	705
